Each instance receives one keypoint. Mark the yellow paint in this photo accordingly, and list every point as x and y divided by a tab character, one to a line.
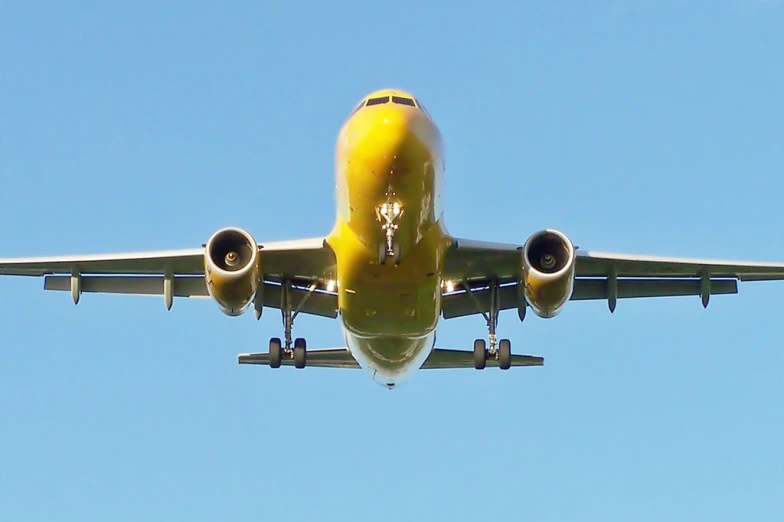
232	291
389	152
547	295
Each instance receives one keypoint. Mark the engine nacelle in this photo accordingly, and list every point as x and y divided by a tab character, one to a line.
232	267
548	272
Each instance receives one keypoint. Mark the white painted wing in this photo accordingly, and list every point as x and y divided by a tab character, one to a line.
299	259
185	262
440	358
480	262
487	260
598	264
302	261
448	359
320	358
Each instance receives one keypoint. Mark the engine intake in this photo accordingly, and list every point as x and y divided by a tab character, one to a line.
548	272
232	269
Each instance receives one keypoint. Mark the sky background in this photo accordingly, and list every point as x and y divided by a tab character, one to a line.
639	127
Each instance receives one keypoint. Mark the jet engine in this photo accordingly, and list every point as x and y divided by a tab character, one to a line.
232	268
548	272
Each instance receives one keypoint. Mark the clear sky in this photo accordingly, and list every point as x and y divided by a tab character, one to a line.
638	127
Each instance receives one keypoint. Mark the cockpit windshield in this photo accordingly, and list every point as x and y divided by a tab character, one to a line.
377	101
361	104
403	101
422	108
396	99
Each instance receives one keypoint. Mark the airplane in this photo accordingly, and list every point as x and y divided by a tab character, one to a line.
389	269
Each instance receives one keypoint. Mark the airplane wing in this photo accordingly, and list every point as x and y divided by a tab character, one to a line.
440	358
304	262
598	276
322	358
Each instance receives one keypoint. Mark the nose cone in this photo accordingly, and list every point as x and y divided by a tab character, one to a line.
385	149
389	139
384	133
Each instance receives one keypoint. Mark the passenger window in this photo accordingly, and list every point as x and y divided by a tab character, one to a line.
403	101
378	101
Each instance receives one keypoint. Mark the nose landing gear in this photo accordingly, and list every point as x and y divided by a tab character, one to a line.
388	214
384	251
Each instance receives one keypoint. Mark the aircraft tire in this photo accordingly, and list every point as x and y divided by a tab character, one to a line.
275	353
505	354
300	353
382	253
480	354
396	250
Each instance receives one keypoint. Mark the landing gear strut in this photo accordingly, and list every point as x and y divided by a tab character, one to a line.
388	214
296	350
501	351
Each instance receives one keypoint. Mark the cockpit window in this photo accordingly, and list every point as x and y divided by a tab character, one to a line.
403	101
361	104
378	101
419	104
381	100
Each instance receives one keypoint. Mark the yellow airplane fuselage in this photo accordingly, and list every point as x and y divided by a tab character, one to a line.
389	154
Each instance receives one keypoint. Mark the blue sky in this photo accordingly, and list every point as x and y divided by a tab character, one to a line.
640	127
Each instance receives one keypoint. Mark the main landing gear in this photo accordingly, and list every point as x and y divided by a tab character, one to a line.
499	350
388	214
298	350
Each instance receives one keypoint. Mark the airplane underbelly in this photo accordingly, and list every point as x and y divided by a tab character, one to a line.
391	307
390	313
389	298
390	358
388	242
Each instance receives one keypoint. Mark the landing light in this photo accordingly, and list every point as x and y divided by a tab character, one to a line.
331	285
449	286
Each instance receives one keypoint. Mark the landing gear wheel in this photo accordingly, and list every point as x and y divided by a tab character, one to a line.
383	253
275	353
505	354
480	354
300	352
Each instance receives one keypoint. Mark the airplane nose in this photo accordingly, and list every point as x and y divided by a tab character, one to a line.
388	141
388	134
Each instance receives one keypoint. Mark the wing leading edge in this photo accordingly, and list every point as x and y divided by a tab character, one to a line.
598	276
308	264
